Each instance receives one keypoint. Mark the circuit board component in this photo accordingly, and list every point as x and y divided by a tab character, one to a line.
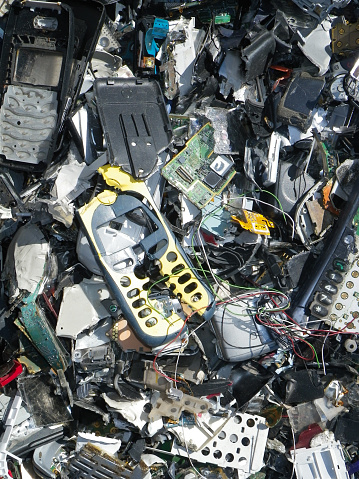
196	172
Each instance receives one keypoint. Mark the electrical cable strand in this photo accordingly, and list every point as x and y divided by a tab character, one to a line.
173	340
292	342
51	308
189	458
294	453
325	331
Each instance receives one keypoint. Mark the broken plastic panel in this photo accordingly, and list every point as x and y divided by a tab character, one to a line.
239	336
82	301
108	217
134	121
29	140
325	461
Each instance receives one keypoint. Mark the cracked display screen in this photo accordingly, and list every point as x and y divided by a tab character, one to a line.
38	67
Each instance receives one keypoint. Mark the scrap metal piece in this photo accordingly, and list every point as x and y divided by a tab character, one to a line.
316	46
185	41
153	380
321	9
239	444
173	408
271	172
320	217
91	461
169	71
94	358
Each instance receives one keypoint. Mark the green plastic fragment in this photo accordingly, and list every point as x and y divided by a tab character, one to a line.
222	18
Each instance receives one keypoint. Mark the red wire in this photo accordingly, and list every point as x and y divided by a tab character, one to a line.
325	331
51	308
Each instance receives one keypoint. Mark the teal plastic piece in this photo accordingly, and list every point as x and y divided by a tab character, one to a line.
41	333
159	30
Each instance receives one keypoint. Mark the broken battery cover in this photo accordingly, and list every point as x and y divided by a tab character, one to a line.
179	221
135	123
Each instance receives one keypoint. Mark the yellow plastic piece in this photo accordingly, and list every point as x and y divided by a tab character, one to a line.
255	223
198	298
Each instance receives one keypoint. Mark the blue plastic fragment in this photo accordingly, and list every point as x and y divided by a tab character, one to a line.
159	30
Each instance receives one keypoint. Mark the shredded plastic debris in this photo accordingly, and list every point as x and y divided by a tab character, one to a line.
179	239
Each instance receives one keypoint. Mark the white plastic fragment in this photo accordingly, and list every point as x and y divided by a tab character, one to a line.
81	307
320	462
27	254
132	411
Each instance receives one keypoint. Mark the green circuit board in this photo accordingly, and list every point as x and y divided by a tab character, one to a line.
197	172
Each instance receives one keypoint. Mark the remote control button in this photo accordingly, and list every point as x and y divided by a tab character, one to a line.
318	310
328	287
334	276
323	298
340	265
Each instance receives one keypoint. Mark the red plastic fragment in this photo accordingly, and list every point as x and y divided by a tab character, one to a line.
16	370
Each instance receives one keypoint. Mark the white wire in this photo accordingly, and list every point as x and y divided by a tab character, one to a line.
194	330
189	458
295	453
180	351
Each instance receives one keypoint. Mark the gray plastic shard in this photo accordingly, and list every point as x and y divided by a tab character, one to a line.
26	258
83	302
28	117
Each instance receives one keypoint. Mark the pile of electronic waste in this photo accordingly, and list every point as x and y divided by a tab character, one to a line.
179	227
